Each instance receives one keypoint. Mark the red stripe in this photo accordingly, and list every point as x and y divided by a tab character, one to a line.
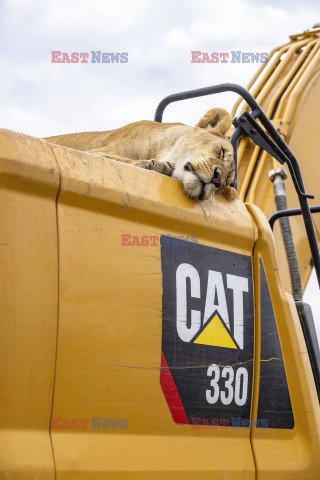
171	393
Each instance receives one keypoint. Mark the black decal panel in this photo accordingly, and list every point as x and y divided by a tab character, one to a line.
207	336
274	399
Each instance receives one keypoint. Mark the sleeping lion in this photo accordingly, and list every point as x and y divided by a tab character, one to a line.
201	157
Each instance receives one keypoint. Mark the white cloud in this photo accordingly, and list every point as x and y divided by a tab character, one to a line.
178	38
159	36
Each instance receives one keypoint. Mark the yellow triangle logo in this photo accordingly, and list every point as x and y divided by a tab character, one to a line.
215	334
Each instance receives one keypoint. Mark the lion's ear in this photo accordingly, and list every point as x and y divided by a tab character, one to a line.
216	120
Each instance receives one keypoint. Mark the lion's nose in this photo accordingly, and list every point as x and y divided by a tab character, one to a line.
216	179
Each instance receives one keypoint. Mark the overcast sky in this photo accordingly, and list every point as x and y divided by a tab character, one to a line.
41	98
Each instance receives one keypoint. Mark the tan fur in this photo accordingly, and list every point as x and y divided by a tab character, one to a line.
201	156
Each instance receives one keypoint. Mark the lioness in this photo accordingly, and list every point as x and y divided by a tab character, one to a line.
201	156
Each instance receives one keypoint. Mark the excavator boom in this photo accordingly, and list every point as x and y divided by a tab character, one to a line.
287	87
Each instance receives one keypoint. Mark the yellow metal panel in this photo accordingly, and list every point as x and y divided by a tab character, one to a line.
109	336
285	454
109	340
29	182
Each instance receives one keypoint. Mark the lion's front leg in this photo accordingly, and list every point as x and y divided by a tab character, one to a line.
165	168
102	153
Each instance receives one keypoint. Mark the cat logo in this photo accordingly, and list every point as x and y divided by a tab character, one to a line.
207	332
214	328
215	333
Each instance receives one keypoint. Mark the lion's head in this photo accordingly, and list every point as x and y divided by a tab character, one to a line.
205	163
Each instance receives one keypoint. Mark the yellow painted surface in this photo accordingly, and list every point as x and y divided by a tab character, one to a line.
109	343
87	342
29	182
285	454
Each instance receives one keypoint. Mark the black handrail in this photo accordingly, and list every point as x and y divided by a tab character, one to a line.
200	92
235	137
293	212
272	143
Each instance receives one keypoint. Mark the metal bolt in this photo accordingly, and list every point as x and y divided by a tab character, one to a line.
278	171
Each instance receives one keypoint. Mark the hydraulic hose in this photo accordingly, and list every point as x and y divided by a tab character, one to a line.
277	177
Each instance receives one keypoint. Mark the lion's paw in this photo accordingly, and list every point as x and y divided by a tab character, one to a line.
229	193
165	168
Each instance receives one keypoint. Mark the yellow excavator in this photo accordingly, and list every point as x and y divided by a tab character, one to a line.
145	335
287	87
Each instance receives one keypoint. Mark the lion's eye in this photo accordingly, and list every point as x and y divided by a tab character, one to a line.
222	152
216	174
189	167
